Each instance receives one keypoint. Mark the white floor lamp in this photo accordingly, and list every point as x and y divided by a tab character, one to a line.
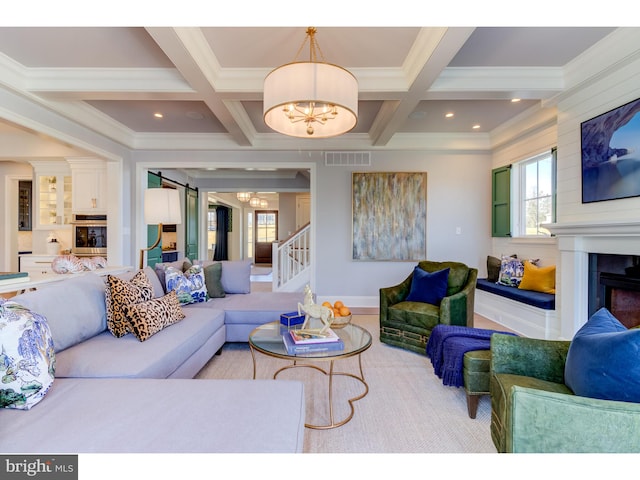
161	206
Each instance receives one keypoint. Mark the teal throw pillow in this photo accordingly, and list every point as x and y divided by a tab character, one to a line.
428	287
604	360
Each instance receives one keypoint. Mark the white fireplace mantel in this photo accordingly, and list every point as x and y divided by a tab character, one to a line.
593	229
575	242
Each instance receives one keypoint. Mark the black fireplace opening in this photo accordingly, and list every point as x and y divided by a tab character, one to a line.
615	284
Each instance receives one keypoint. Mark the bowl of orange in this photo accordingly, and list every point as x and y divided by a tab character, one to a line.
341	314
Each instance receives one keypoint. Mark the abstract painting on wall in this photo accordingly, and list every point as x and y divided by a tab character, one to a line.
389	216
611	154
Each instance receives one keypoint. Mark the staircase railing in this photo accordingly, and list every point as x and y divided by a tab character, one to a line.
292	260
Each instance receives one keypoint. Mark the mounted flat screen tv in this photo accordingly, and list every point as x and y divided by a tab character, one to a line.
611	154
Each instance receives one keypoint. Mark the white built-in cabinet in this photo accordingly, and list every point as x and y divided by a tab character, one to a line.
89	185
52	192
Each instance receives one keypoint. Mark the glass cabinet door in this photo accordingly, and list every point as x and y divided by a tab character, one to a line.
54	200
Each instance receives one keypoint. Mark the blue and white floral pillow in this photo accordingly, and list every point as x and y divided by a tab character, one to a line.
512	270
27	357
189	286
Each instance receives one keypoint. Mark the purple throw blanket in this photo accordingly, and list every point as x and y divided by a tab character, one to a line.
446	348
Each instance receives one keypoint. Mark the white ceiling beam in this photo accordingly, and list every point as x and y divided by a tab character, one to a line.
188	51
431	53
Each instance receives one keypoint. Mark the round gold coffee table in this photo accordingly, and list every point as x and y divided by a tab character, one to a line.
267	339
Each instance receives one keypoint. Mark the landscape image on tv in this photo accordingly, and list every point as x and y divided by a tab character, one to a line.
611	154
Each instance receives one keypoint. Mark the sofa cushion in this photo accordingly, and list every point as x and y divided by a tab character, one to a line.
538	279
493	267
148	318
511	271
27	360
158	357
428	287
158	288
160	268
546	301
75	308
189	285
603	360
236	276
119	294
159	416
213	280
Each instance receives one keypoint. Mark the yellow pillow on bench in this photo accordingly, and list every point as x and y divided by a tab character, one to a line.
538	279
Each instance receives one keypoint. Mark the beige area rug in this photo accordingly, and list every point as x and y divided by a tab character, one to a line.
407	409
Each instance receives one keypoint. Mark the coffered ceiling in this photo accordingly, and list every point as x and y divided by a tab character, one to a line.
207	81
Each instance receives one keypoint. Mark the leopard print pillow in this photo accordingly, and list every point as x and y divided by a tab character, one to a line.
119	294
148	318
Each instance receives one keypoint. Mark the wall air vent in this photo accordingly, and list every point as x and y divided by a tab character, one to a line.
347	159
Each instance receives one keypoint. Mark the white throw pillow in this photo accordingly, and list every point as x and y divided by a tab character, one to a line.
27	357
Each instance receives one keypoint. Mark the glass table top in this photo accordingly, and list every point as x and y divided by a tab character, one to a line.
267	338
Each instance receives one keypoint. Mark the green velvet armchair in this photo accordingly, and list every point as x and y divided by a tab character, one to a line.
409	324
532	410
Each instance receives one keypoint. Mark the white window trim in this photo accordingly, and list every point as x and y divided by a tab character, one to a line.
517	185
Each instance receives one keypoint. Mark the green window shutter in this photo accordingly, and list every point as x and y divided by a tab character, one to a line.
501	202
153	256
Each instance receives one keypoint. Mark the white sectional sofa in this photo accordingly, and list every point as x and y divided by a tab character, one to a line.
122	395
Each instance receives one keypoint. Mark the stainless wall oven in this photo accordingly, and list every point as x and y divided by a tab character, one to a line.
89	235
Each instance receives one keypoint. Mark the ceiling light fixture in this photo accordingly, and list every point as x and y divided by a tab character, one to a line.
158	115
449	115
254	202
263	203
243	196
476	127
311	99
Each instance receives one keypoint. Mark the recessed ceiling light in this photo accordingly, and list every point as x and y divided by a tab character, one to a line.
449	115
475	127
514	100
158	115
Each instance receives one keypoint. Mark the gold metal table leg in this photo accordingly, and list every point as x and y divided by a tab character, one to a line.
331	373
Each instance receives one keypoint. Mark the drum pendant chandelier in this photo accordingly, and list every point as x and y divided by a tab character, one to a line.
311	99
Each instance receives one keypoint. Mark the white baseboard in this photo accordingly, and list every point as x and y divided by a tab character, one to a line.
523	319
353	301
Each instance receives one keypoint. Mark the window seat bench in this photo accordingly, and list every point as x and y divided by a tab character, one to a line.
531	314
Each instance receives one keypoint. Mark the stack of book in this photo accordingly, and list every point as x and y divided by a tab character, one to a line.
7	278
305	341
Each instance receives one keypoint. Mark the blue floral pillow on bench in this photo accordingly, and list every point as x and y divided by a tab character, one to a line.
189	286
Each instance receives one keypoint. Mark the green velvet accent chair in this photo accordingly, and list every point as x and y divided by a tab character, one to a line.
409	324
532	410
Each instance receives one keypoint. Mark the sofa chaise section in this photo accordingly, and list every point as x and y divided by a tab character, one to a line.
159	416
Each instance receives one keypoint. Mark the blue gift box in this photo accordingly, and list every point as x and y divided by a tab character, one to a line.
291	319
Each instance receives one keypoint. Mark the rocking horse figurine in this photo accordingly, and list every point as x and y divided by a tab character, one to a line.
313	310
